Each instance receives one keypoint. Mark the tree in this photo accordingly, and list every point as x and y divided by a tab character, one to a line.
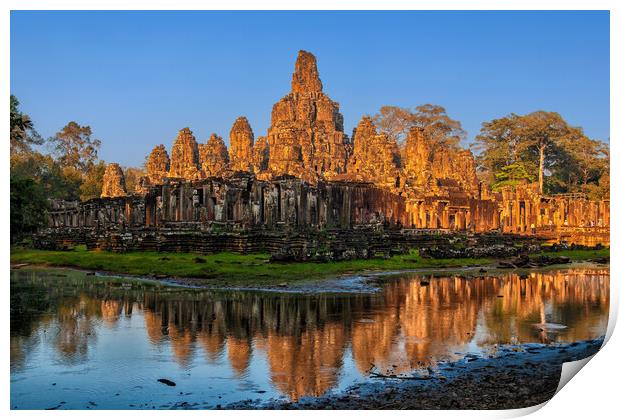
496	145
93	181
74	147
540	134
584	160
395	122
23	135
54	180
511	175
28	207
535	140
440	129
132	178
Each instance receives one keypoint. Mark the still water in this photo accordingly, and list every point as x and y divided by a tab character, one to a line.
85	342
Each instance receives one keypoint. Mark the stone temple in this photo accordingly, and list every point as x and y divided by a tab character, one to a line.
306	188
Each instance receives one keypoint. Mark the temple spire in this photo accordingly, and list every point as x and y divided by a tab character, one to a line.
306	77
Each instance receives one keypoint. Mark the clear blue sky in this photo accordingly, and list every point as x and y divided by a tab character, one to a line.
138	77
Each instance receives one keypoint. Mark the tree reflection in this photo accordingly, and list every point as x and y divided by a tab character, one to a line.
304	339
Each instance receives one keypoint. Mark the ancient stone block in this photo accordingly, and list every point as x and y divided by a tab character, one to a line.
375	157
213	156
241	146
157	165
455	168
185	162
417	164
260	155
306	137
306	77
113	182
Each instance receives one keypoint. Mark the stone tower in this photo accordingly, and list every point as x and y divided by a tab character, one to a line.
417	162
260	155
184	162
306	137
157	165
417	154
213	156
113	182
375	157
241	145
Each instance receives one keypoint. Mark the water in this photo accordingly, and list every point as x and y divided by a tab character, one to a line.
85	342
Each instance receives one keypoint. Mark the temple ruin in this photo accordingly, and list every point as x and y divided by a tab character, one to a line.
307	188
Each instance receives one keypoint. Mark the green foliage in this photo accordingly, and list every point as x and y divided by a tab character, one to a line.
23	135
511	175
28	207
547	147
54	180
93	181
73	173
75	148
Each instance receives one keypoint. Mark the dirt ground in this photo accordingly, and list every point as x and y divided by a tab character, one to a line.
515	377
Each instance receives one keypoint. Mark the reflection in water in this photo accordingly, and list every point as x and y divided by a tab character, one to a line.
302	341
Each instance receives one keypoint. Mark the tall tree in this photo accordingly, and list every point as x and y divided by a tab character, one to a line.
441	130
75	148
23	135
496	145
28	206
54	180
394	121
535	140
541	134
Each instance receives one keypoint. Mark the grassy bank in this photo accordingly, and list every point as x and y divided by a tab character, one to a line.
237	269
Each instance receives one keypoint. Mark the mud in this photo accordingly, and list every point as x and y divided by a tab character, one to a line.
513	377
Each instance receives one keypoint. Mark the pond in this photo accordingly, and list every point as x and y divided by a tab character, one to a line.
80	341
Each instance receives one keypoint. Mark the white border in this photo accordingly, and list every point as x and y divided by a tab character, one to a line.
591	395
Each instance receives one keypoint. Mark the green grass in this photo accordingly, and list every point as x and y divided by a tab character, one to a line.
225	268
580	254
236	269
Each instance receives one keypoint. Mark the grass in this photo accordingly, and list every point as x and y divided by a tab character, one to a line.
580	254
237	269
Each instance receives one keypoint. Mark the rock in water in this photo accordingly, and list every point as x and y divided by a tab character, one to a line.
167	382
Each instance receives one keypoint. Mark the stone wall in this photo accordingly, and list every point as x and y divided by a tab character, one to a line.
244	213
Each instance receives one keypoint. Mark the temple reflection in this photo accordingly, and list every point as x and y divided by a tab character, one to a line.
413	322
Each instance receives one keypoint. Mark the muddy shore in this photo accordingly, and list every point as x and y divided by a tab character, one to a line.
362	282
513	377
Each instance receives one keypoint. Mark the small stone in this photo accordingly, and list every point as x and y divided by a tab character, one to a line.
167	382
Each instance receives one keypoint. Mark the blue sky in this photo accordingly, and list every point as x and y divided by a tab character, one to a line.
138	77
